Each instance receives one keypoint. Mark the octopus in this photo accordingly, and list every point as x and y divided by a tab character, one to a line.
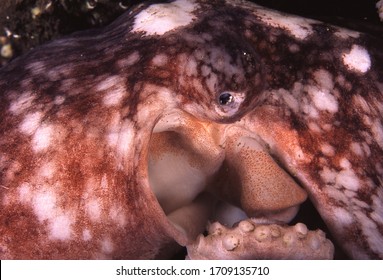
194	124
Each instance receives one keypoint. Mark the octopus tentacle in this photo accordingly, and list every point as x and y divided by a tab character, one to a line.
248	240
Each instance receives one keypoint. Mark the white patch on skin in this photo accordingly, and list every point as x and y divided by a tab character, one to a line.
59	100
86	235
367	120
314	127
107	246
323	100
222	62
60	227
158	19
324	79
42	138
109	82
377	131
309	109
93	209
294	48
114	129
113	97
205	71
37	67
132	59
44	204
191	67
114	91
23	102
348	180
160	60
24	193
125	140
300	28
47	170
344	163
289	99
31	122
326	126
346	33
343	216
358	59
93	205
327	150
117	215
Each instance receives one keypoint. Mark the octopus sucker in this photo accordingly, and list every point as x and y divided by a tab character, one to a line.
207	125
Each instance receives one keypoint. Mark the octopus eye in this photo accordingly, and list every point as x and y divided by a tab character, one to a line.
229	102
225	98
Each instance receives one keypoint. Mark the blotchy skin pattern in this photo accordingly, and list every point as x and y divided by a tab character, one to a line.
77	115
251	241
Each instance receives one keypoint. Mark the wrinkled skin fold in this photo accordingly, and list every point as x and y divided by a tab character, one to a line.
194	123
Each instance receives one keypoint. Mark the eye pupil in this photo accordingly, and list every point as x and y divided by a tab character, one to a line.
225	98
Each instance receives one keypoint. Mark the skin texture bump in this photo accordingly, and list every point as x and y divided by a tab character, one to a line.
123	142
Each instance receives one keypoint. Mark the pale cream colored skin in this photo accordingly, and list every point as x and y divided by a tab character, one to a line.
188	157
182	143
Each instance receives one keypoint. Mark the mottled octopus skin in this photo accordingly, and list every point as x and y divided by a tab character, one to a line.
76	116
